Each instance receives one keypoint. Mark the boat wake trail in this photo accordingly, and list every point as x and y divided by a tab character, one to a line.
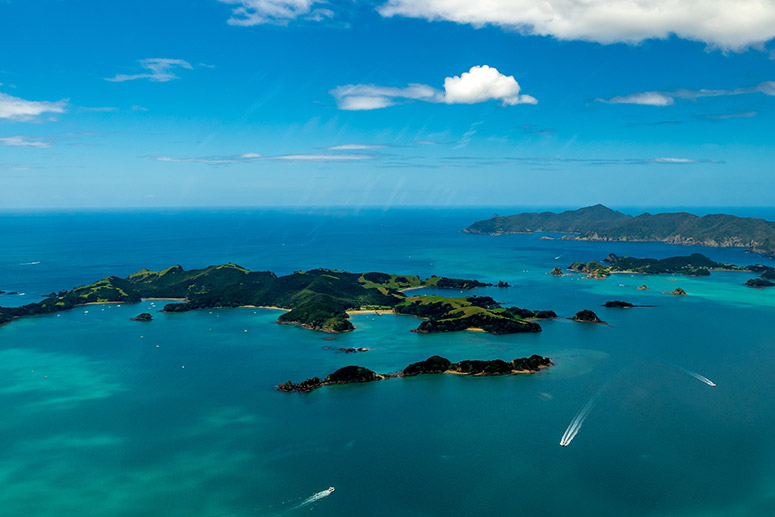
575	425
312	499
699	377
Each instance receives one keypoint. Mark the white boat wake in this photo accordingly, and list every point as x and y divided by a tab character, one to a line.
699	377
313	498
575	425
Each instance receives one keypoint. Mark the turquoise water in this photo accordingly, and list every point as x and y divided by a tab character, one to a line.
105	416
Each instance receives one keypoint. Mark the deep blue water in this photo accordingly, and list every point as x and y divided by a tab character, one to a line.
99	420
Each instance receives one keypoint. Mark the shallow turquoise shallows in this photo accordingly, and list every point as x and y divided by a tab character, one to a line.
179	417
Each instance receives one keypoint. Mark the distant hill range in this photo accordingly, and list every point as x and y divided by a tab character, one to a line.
600	223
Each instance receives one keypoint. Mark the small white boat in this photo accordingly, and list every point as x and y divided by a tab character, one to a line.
330	489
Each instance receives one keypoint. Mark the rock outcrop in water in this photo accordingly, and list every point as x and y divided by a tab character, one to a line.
143	317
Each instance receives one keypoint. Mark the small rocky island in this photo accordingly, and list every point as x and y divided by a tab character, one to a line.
678	292
433	365
143	317
618	304
758	283
587	316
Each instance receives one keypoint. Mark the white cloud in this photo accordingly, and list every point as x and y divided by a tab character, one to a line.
668	98
354	147
14	108
479	84
727	24
250	157
24	141
257	12
484	83
159	70
674	160
644	98
369	96
322	157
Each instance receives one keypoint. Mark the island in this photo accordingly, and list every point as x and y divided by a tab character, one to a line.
599	223
695	264
678	292
758	283
433	365
556	272
318	299
348	350
587	316
143	317
618	304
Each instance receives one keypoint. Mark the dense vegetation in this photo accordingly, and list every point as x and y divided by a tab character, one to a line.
316	299
695	264
618	304
587	316
450	314
759	283
432	365
600	223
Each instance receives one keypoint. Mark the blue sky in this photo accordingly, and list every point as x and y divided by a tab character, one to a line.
429	102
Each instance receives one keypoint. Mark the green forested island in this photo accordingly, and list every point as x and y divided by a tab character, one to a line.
693	265
433	365
317	299
599	223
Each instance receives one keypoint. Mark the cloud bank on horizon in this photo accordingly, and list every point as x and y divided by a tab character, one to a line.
480	84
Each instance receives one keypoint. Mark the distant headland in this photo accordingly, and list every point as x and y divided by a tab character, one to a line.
599	223
318	299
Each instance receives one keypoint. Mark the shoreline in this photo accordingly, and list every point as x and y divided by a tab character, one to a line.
264	307
413	288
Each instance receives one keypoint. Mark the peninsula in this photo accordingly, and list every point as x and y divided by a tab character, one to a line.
433	365
599	223
317	299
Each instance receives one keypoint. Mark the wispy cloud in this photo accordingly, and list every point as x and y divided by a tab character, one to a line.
252	157
278	12
15	108
668	98
159	70
479	84
729	116
355	147
534	130
24	141
99	109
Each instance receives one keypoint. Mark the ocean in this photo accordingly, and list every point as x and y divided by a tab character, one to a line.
179	416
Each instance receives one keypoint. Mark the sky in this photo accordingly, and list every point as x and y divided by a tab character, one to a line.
386	103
